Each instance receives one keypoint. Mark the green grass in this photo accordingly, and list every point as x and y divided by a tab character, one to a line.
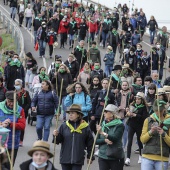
8	43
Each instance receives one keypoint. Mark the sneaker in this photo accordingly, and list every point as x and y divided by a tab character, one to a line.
127	162
101	44
136	151
96	146
96	153
140	159
29	29
21	144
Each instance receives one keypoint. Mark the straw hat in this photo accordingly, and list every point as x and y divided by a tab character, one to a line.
40	146
113	109
75	108
167	89
140	95
110	48
161	91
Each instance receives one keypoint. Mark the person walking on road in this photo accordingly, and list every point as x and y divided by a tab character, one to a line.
21	9
75	136
13	7
45	102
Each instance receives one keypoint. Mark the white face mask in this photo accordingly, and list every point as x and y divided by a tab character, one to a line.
18	87
15	60
139	49
44	26
158	46
39	166
131	53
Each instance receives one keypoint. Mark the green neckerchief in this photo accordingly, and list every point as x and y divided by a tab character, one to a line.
1	70
12	63
45	77
112	123
95	48
107	21
81	49
138	86
38	18
138	106
82	125
116	77
114	32
165	124
73	24
61	14
4	108
164	34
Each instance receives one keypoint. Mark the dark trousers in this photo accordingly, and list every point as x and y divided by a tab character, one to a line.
15	155
21	20
63	37
131	132
71	167
85	118
82	36
111	164
114	46
50	50
93	124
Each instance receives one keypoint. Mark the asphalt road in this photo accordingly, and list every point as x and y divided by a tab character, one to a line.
30	132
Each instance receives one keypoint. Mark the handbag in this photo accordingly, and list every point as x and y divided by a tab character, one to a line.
113	151
36	46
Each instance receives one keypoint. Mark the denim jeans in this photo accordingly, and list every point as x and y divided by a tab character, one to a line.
13	12
152	36
43	121
108	70
92	34
29	78
148	164
35	37
28	21
125	134
104	38
42	45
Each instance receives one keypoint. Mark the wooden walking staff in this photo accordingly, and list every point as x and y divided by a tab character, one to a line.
57	117
105	103
151	60
166	55
159	60
13	130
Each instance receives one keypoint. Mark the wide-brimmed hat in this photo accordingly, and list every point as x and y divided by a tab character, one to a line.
161	91
110	48
140	95
40	146
125	66
113	109
117	67
75	108
167	89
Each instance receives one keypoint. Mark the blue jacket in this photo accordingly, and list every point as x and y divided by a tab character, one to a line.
110	58
142	22
135	39
133	21
86	105
46	102
3	117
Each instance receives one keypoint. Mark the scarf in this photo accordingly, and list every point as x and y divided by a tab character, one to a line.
110	124
82	125
116	77
138	107
164	34
6	110
73	24
114	32
95	48
107	21
81	50
43	77
12	63
138	86
163	124
21	95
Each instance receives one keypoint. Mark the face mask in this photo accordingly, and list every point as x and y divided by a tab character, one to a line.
39	166
15	60
17	87
97	67
158	46
51	31
43	72
131	53
138	49
87	10
44	26
62	70
57	65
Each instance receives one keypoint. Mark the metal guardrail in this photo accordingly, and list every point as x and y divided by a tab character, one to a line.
13	29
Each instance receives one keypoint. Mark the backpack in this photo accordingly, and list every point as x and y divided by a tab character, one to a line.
85	96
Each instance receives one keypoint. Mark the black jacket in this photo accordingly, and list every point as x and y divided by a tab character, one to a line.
25	165
74	144
110	38
83	28
152	25
13	3
99	100
36	23
73	67
100	73
72	28
54	23
128	28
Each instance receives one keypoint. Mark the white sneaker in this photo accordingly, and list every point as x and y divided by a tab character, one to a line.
96	146
96	153
140	159
127	162
101	44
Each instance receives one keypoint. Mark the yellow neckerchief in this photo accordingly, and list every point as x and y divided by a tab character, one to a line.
83	124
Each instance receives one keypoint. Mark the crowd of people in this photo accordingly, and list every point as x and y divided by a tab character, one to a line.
115	103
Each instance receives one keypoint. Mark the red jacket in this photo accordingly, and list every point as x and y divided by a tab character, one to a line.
63	27
78	20
92	26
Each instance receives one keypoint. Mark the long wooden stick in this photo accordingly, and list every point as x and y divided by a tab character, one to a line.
105	103
151	61
13	130
57	119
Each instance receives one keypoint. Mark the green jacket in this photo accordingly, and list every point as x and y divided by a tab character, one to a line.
114	135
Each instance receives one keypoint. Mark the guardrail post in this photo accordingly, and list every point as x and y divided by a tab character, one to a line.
0	16
8	26
12	27
18	45
3	21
